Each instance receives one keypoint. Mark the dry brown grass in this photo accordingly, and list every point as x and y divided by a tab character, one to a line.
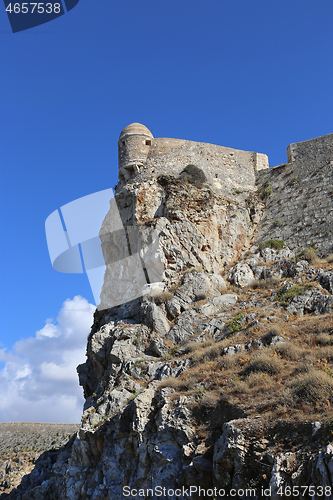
309	325
288	380
206	353
329	259
310	255
275	331
182	383
258	379
324	339
227	362
268	284
239	386
327	353
289	351
317	386
264	362
162	297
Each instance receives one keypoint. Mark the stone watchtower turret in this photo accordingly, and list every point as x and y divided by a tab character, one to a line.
133	148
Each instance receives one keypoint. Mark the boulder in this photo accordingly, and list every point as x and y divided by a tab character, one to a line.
241	275
156	319
217	304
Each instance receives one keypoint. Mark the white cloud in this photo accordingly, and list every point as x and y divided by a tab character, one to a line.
38	382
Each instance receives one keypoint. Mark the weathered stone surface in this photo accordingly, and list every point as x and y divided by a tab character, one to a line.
228	459
299	201
326	280
311	301
217	304
135	431
188	324
156	319
241	275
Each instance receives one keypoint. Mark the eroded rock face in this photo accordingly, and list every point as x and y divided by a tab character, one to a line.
140	427
196	226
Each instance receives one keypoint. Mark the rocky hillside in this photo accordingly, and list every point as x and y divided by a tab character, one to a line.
22	443
219	378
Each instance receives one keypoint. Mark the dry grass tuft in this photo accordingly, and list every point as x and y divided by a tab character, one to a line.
327	353
275	331
329	259
227	362
267	284
310	255
162	297
195	346
186	382
258	379
207	353
317	386
324	339
289	351
239	386
265	363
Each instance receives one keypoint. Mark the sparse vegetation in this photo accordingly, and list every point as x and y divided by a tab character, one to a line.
266	190
265	363
292	292
197	269
194	175
275	331
289	351
317	386
308	254
163	297
234	325
210	350
275	244
263	284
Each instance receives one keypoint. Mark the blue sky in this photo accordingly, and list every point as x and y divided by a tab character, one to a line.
249	74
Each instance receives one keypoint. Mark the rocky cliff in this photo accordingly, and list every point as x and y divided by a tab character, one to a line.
219	377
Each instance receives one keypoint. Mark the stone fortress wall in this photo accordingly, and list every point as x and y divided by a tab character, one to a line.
299	199
299	208
141	156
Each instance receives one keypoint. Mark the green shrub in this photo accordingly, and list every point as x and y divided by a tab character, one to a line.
292	292
194	175
266	190
276	244
234	325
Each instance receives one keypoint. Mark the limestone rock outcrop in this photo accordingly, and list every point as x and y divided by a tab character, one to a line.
220	375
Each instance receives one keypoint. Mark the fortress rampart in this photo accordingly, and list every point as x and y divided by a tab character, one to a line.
299	194
299	208
142	156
